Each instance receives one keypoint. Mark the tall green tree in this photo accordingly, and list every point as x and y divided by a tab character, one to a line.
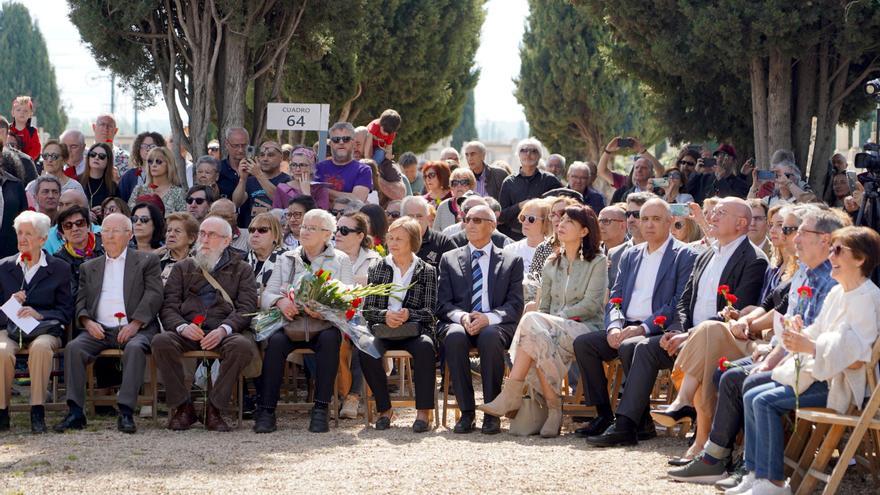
415	56
27	68
466	130
573	98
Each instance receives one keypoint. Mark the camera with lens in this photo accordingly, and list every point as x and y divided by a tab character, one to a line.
870	158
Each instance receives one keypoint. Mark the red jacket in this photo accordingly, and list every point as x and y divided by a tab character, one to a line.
29	137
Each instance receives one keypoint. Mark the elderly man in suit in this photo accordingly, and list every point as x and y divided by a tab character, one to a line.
652	277
480	301
119	296
217	286
733	261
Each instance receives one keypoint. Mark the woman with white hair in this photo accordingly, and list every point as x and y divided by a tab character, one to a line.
40	283
304	328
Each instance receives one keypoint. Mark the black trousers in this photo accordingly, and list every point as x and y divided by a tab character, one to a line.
326	347
422	350
491	342
591	350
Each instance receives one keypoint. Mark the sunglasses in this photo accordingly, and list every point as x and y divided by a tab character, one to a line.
835	250
100	156
75	223
529	218
460	182
262	230
687	163
198	201
347	230
140	219
633	214
341	139
50	156
533	151
431	175
678	225
335	212
789	230
156	161
213	148
674	175
394	214
608	221
476	220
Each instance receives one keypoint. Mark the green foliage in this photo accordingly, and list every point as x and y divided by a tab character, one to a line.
415	56
575	100
466	130
27	69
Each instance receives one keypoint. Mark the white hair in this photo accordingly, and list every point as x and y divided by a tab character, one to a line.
578	165
558	157
533	141
73	132
224	225
476	144
418	200
39	221
232	130
125	220
450	149
322	216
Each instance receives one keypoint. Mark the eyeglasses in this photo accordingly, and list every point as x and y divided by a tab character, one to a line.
269	152
608	221
140	219
678	225
759	218
199	201
835	250
148	147
262	230
75	223
673	175
157	161
299	165
341	139
533	151
347	230
476	220
239	146
295	214
211	235
312	228
633	214
529	218
100	156
431	175
50	156
393	214
460	182
801	229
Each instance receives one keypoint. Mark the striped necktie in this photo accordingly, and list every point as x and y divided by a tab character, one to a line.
477	290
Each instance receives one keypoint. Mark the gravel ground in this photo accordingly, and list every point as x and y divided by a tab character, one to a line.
349	459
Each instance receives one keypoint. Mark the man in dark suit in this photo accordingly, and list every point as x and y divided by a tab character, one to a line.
480	301
652	278
733	261
118	299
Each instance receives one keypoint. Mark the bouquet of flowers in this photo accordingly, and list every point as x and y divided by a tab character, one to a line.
334	301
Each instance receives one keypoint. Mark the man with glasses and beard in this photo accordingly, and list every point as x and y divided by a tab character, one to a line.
218	286
346	176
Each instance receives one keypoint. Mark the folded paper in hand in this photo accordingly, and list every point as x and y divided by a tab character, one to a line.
26	324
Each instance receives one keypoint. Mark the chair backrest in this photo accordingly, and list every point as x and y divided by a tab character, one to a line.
871	369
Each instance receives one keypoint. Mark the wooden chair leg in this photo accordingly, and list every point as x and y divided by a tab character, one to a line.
90	388
809	442
445	393
828	446
368	404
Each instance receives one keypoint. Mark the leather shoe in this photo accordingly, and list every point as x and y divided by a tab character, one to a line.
383	423
184	417
4	419
491	425
214	421
38	420
671	418
614	436
125	423
596	426
647	431
318	422
71	422
420	426
264	421
466	424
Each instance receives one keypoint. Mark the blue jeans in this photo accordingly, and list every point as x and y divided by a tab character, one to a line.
764	407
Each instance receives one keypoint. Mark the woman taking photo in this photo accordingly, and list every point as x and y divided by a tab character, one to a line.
181	232
409	315
448	213
674	192
136	174
572	295
162	180
436	175
97	182
302	169
55	155
149	228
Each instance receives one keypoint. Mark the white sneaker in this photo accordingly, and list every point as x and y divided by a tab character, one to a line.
744	486
765	487
146	412
350	407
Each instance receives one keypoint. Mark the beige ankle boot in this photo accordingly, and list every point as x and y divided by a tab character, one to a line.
508	401
553	424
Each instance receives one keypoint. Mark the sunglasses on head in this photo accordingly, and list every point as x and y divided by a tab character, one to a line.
100	156
140	219
341	139
460	182
75	223
50	156
633	214
529	218
262	230
789	230
347	230
198	201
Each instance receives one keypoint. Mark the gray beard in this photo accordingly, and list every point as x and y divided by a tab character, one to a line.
206	261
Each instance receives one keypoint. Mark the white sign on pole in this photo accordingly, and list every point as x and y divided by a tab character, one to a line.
298	116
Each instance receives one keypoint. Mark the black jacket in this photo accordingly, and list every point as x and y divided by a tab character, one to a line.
48	291
420	298
514	190
14	202
434	245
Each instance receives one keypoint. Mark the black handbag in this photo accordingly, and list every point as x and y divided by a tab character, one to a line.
15	333
408	330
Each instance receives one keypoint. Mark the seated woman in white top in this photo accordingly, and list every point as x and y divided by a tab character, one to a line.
535	219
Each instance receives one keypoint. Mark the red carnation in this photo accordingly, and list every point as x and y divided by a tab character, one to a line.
26	257
356	302
319	272
349	314
723	289
805	291
660	321
120	315
198	320
154	186
138	172
731	298
616	300
576	318
723	364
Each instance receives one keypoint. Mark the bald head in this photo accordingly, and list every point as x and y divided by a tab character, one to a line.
730	219
72	197
115	234
225	209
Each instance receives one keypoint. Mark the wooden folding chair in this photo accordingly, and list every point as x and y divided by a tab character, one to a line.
105	397
54	376
298	406
820	431
239	399
573	403
406	395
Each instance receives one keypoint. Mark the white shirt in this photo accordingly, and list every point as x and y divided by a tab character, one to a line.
522	249
112	298
483	261
30	272
706	305
402	280
640	306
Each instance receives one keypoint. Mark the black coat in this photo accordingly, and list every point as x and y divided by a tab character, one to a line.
48	291
14	202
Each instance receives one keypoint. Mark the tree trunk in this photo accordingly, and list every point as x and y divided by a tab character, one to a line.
779	102
758	78
805	106
233	78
